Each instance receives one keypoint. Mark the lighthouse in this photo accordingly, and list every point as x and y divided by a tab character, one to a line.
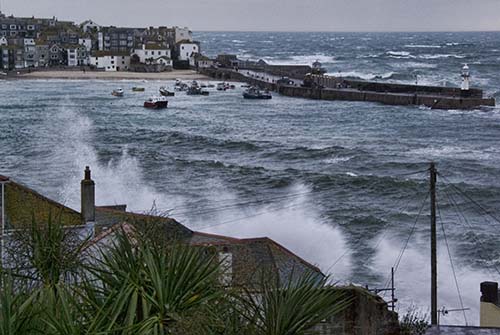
465	78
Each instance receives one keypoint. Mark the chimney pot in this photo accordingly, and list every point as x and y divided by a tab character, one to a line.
88	197
87	173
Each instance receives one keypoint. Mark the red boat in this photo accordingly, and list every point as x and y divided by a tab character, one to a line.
156	103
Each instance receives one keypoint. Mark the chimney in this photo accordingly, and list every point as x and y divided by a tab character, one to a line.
88	197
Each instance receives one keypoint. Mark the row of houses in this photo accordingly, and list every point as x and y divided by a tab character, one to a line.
29	42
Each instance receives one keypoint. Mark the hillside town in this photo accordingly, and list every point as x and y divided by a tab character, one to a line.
37	43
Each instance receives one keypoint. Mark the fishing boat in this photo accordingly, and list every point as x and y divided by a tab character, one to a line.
166	93
195	89
255	93
222	86
138	89
118	92
156	103
181	87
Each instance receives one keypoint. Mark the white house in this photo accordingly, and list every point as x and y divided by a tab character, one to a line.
110	61
183	34
203	61
89	25
167	61
152	52
77	55
187	50
86	42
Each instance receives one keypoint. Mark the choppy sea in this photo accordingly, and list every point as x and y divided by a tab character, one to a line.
339	183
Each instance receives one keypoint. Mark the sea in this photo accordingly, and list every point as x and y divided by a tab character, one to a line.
344	185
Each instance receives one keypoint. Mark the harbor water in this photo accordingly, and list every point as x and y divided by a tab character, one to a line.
339	183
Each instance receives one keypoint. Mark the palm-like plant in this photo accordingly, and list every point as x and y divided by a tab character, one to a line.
148	291
293	308
17	313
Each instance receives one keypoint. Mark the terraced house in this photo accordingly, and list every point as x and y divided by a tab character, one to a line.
244	260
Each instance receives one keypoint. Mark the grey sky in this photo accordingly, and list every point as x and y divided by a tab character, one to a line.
282	15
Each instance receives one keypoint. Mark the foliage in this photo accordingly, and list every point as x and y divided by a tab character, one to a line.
293	308
414	322
134	285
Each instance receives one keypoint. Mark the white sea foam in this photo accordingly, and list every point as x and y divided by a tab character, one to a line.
412	280
439	56
119	181
296	227
399	53
301	60
415	65
422	46
362	75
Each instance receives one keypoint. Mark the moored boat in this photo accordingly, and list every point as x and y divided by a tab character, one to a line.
138	89
195	89
221	87
118	92
156	103
166	93
255	93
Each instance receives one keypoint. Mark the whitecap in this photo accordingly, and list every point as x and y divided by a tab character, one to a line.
439	56
423	46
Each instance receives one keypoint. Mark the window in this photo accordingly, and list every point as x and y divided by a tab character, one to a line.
152	53
31	27
112	62
12	27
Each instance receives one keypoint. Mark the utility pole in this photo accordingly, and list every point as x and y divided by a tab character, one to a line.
434	311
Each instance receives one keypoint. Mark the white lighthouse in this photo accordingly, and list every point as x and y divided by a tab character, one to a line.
465	78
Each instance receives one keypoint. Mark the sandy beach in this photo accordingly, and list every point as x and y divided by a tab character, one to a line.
59	74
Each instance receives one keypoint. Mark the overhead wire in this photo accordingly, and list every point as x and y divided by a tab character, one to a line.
463	219
384	229
405	245
452	265
230	205
465	195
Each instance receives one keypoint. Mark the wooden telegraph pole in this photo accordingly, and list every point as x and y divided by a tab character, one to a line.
434	311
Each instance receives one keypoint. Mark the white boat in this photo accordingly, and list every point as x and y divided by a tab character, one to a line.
118	92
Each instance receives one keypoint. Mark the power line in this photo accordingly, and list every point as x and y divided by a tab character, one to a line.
452	266
461	218
405	245
385	230
230	206
465	195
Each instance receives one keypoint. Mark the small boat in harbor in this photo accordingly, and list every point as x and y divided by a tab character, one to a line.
156	103
166	93
255	93
181	87
138	89
118	92
195	89
222	86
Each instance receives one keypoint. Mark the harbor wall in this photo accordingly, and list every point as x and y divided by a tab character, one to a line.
437	102
335	82
386	93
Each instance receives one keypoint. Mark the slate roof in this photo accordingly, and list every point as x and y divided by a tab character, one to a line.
254	256
462	330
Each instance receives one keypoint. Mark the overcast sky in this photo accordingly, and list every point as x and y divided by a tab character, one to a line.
280	15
